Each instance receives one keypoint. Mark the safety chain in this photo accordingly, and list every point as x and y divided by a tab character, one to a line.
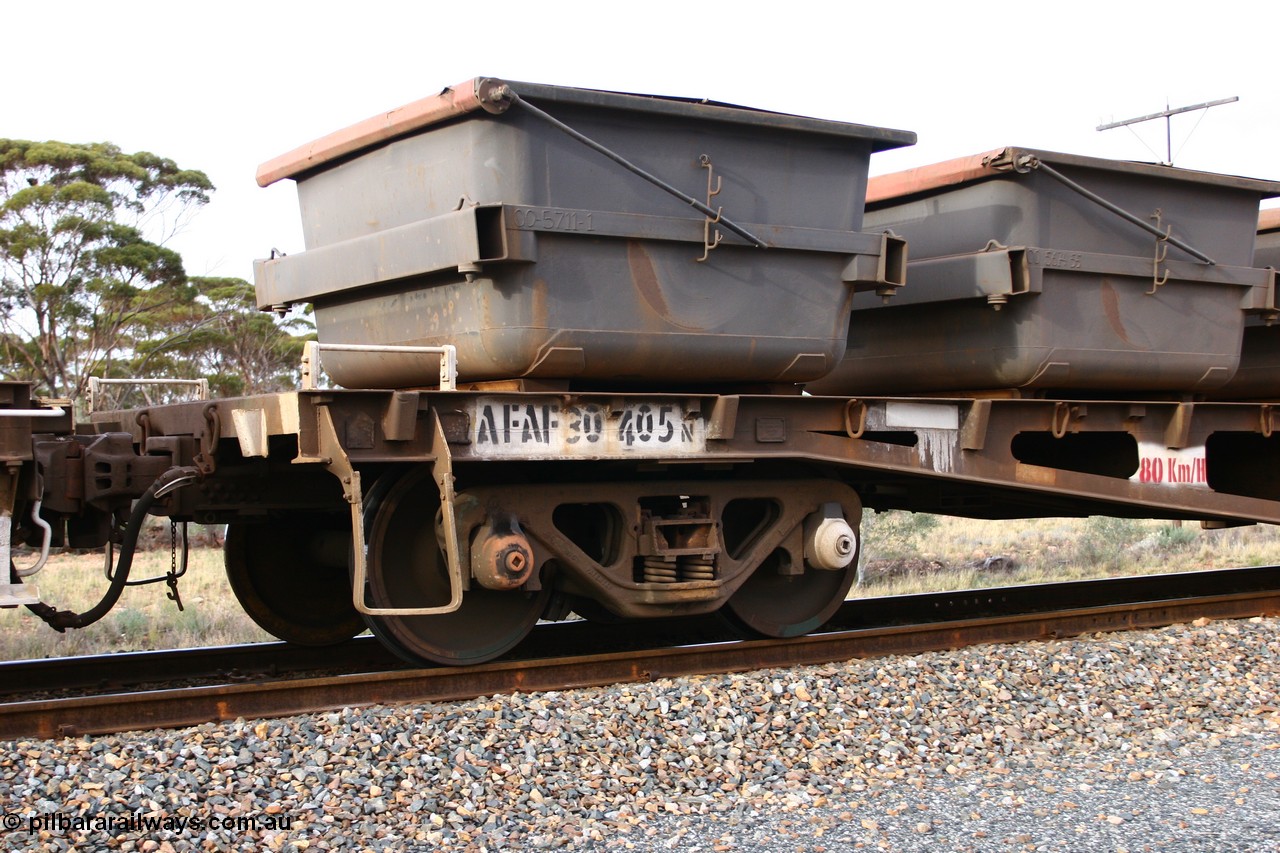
172	578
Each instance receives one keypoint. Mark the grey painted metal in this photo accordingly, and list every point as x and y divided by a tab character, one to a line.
1163	236
1038	318
443	242
538	258
636	170
1019	282
452	240
1266	251
1216	213
1258	377
1006	271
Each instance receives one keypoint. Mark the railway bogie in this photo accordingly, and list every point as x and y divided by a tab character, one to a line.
592	403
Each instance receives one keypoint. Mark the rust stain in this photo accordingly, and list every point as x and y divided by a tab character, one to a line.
645	277
1035	474
541	316
1111	309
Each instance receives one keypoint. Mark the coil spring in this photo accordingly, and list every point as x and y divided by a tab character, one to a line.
698	568
658	570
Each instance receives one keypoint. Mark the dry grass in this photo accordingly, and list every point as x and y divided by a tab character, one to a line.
144	618
905	554
960	553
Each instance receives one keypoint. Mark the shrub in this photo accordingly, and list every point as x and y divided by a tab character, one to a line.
894	534
1169	538
1106	541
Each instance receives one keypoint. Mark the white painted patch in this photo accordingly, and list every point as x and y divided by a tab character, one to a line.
936	448
251	431
922	415
542	428
1161	466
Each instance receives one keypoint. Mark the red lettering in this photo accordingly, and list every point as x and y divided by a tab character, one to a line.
1173	470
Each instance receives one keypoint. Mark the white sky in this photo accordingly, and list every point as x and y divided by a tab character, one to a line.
223	87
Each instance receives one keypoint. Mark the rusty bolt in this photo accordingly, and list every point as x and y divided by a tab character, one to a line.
514	561
502	561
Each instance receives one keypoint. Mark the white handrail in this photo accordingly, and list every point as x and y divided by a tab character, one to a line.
448	354
95	386
44	545
56	412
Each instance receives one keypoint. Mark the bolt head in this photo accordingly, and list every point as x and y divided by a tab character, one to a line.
514	562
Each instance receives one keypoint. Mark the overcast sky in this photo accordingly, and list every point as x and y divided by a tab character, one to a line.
223	87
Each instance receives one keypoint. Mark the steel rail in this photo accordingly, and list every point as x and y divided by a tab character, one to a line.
191	706
119	671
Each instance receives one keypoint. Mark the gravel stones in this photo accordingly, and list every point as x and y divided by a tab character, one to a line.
1157	739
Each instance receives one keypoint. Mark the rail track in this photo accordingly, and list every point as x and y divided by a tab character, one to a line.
134	691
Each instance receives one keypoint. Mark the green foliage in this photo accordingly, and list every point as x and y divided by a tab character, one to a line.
221	336
1106	541
82	260
1116	531
894	534
1169	538
130	623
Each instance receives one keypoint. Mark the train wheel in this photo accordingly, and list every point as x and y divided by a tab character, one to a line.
406	568
593	611
770	604
291	577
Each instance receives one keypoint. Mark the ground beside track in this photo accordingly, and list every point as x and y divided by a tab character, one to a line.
906	556
1164	739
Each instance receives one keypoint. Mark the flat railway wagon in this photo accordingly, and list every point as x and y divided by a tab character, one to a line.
635	357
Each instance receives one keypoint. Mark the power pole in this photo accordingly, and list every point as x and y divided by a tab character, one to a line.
1167	114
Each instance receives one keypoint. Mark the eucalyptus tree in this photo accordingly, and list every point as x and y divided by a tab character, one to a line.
84	272
221	336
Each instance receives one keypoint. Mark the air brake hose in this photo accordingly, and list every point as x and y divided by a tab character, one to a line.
61	620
